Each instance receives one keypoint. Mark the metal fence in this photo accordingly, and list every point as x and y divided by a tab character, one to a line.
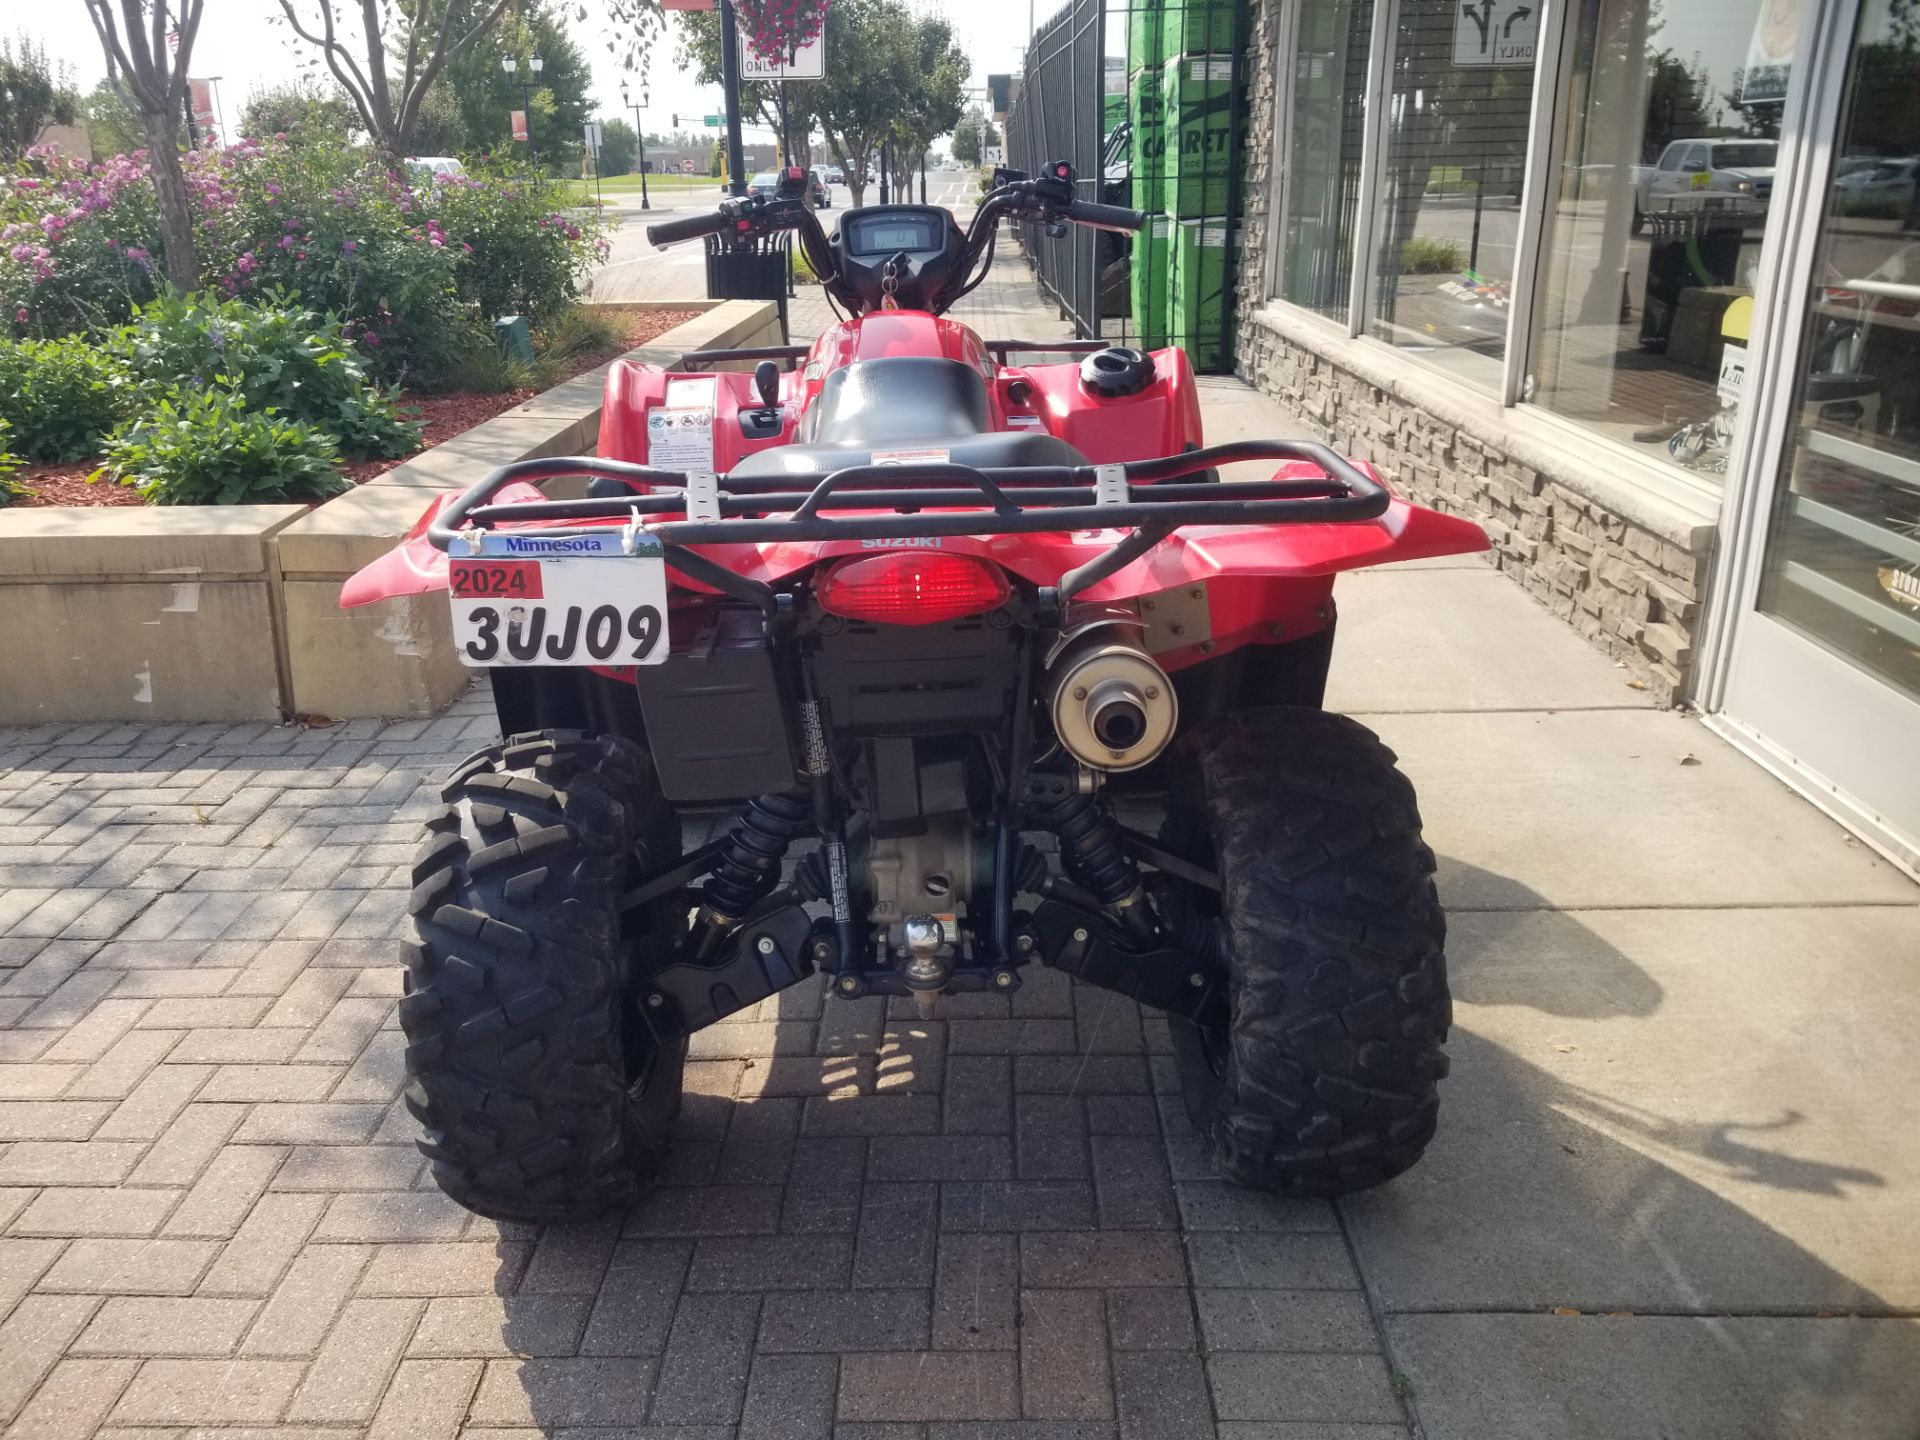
1146	100
1057	117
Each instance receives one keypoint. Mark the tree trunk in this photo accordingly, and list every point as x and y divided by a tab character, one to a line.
170	187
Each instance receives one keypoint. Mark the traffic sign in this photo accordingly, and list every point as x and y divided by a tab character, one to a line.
1496	32
686	167
809	62
592	129
714	122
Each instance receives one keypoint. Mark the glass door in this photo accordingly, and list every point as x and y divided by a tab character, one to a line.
1825	668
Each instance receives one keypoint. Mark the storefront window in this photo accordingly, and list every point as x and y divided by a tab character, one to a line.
1328	123
1670	122
1843	559
1449	213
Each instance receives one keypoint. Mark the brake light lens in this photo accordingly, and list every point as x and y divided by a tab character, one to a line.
911	587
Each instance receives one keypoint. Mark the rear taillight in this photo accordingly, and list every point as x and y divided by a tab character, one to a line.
911	587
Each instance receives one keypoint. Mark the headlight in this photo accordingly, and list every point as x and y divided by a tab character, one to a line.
1745	187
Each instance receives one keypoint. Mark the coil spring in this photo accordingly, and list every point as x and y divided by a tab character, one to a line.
749	867
1091	849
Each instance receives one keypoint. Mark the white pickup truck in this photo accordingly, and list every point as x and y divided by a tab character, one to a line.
1730	174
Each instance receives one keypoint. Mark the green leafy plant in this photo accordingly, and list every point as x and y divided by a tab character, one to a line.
60	397
208	447
10	489
576	331
1424	255
278	356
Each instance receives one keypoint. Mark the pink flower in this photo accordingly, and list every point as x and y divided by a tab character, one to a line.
245	263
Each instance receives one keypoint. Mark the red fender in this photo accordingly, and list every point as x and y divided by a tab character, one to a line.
414	567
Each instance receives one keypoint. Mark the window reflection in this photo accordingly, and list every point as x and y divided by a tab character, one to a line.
1323	194
1450	213
1843	557
1669	131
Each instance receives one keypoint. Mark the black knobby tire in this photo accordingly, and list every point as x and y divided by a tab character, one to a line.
541	1097
1325	1080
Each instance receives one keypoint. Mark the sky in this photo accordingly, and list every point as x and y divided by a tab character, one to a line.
239	45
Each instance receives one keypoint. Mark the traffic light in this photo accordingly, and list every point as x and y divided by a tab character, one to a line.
676	122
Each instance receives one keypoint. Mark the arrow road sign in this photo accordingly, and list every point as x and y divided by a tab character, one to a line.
1496	32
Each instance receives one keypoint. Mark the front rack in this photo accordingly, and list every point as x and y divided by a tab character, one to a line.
916	501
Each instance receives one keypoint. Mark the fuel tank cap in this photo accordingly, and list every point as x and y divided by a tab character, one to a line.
1115	371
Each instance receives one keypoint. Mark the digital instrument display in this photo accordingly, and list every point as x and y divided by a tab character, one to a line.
885	234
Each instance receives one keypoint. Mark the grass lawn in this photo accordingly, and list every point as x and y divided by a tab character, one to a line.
656	185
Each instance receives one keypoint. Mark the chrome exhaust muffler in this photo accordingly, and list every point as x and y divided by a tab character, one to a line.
1113	707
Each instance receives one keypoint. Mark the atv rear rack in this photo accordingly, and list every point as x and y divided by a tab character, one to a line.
927	500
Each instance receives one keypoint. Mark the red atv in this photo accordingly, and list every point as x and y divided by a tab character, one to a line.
935	612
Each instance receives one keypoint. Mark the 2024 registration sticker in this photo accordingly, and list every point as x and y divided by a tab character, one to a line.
573	611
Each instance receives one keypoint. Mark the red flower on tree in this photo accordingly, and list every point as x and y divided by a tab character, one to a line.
777	28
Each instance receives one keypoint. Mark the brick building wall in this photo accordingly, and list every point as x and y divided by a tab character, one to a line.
1628	571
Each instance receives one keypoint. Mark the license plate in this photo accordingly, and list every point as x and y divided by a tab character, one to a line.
606	610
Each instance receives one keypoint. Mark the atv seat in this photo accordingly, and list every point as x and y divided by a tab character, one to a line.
1006	447
910	403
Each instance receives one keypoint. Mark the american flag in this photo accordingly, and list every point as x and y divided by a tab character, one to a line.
173	39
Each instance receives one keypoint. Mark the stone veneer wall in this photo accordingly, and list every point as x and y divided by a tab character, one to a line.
1628	576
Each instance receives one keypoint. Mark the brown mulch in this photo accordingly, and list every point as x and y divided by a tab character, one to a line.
445	417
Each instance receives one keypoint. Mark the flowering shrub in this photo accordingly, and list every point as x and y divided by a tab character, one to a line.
60	396
278	356
519	255
207	447
77	243
403	267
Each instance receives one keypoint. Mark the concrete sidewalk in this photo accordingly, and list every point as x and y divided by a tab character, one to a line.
1677	1186
1673	1194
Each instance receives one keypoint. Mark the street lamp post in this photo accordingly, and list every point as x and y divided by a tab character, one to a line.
640	132
511	64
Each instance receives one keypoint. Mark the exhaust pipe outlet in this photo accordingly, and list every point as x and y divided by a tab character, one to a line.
1112	705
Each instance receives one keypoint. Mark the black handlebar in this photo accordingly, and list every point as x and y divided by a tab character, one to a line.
1106	217
669	232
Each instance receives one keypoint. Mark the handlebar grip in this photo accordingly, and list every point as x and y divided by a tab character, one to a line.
669	232
1106	217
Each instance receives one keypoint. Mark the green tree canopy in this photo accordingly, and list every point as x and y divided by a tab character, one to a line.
973	132
113	124
618	146
305	106
34	93
486	97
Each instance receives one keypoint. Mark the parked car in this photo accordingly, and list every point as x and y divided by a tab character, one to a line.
1693	174
1885	186
818	188
432	169
834	174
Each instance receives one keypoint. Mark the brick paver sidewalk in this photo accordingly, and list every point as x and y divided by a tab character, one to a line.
212	1213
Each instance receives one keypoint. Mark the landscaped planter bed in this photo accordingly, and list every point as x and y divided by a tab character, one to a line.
232	612
444	416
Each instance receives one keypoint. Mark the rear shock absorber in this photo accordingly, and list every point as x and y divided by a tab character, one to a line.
1093	853
749	866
